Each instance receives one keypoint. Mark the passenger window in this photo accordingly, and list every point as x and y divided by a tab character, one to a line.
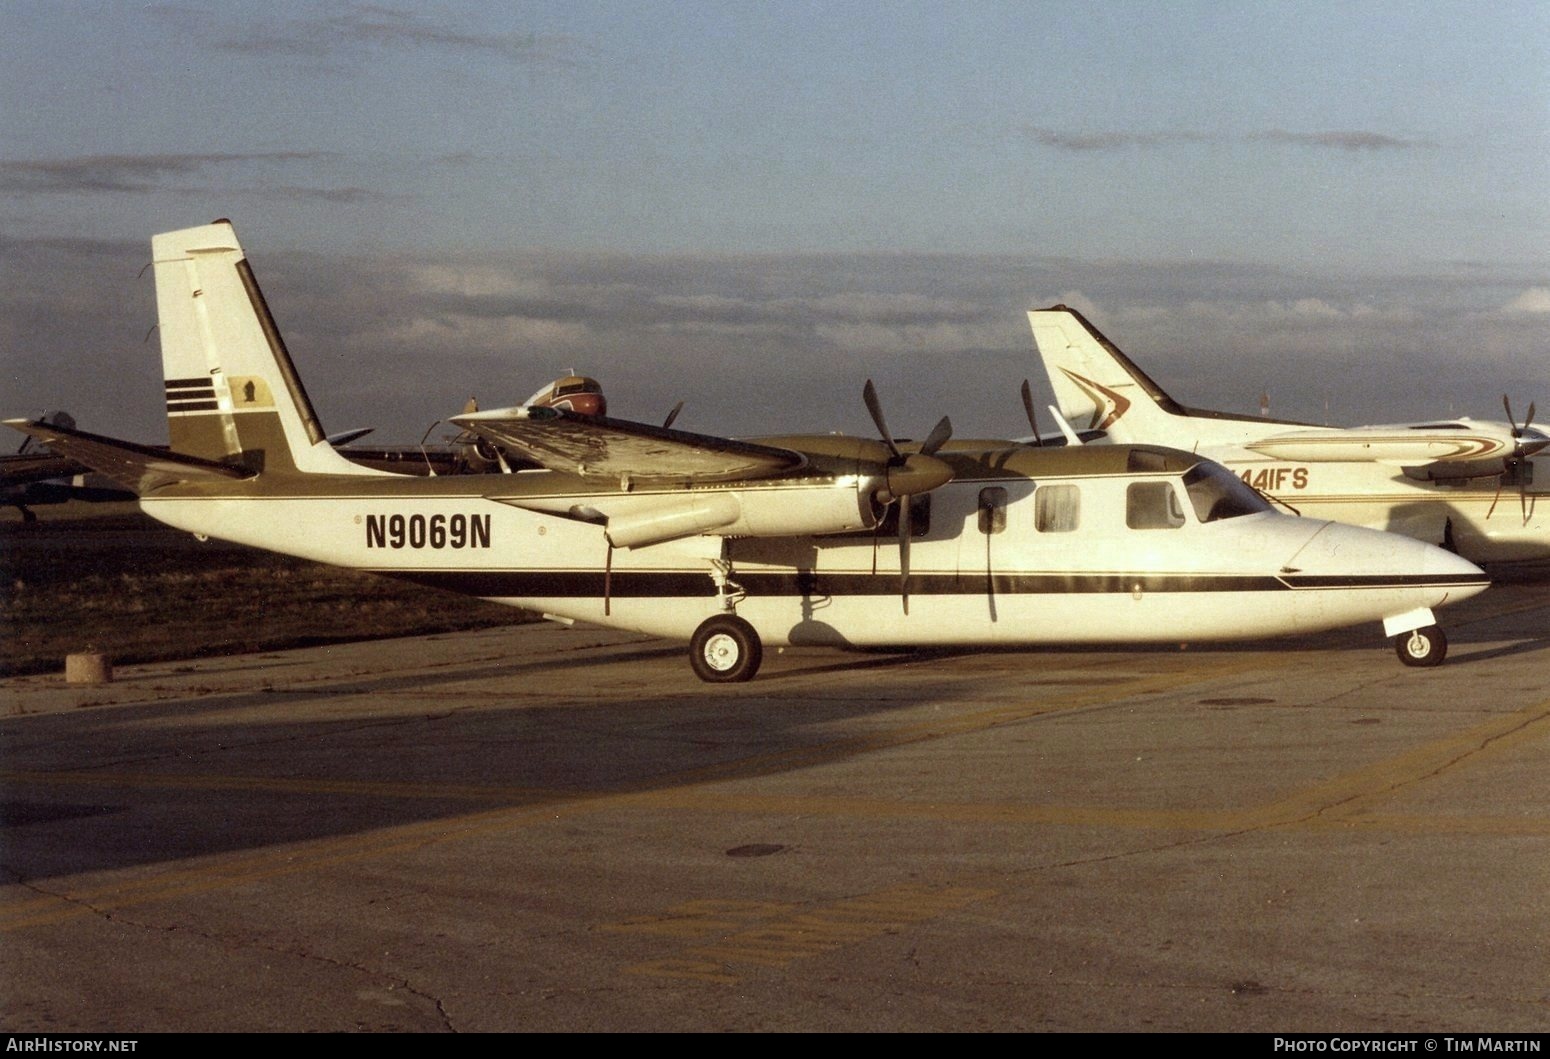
992	510
1057	508
1153	505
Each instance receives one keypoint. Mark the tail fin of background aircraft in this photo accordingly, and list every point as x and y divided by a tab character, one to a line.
233	394
1097	386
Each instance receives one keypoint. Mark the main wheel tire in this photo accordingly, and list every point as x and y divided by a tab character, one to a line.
1422	647
725	650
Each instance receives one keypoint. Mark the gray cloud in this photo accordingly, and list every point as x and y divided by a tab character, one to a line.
1347	140
123	173
339	196
1108	141
360	28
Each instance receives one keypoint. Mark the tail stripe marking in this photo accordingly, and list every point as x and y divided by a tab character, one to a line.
191	395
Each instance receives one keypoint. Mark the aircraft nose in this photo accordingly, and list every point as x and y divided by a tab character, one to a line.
1441	563
1370	555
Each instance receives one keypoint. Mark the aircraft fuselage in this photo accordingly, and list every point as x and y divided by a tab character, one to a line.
1004	554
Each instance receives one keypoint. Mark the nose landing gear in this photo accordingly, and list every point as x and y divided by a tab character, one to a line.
1422	647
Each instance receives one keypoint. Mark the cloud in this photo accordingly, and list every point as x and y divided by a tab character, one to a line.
363	28
771	343
1112	140
338	196
1343	140
1108	141
1533	300
123	173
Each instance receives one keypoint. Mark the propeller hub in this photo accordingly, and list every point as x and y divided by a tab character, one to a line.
912	475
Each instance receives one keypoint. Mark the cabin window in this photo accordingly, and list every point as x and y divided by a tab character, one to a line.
992	510
1057	508
1153	505
1216	493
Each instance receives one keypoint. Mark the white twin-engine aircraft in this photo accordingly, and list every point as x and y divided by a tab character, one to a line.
1464	484
734	545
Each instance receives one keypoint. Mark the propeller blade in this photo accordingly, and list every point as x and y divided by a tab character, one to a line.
1033	423
1517	431
1514	465
938	436
679	407
1524	449
1523	478
874	406
905	526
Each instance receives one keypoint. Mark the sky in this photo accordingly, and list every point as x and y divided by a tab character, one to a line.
754	207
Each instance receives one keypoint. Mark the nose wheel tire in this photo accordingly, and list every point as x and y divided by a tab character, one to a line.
725	650
1422	647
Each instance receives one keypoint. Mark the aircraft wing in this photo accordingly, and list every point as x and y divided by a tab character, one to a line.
599	447
142	468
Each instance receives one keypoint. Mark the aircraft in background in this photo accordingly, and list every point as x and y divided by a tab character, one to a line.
1460	483
738	544
33	476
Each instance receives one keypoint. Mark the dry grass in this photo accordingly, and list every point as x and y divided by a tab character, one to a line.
106	578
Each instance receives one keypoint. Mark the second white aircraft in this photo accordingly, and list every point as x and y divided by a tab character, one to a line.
1469	486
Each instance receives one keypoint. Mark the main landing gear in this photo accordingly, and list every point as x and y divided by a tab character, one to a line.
725	650
1422	647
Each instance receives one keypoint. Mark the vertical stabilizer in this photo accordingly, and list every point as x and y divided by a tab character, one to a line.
1097	387
232	392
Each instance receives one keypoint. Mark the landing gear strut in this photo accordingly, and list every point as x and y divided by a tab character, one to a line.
725	649
1422	647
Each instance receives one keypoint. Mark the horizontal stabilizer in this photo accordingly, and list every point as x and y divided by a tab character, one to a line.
598	447
142	468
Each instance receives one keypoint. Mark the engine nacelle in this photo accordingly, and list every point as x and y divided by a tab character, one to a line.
777	511
1456	470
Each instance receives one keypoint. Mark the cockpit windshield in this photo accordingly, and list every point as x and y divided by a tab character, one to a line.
1217	494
